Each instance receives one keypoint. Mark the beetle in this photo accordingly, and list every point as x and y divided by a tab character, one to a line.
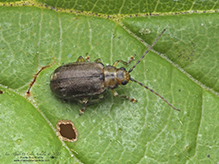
86	81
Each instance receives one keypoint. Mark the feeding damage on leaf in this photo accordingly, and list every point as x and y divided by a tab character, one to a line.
67	131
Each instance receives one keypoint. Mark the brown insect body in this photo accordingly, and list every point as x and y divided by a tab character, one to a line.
78	80
86	81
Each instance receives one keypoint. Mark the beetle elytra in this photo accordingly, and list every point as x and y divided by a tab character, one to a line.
86	81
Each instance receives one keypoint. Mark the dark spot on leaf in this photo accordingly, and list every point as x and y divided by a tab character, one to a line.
67	131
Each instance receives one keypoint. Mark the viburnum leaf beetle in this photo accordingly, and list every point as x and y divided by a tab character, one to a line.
86	81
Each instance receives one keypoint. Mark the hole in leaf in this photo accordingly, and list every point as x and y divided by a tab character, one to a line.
67	131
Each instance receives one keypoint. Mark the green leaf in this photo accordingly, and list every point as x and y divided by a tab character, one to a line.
182	67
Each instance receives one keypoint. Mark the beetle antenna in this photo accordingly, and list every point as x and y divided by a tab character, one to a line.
154	93
131	69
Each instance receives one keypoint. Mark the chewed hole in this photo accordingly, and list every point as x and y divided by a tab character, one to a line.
67	131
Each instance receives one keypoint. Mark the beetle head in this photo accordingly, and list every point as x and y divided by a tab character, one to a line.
122	76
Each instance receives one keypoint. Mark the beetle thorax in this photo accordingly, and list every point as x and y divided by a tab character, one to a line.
115	77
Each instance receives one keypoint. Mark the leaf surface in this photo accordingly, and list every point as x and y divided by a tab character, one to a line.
182	67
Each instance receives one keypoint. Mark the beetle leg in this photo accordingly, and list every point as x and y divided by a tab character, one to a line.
81	59
91	101
98	60
96	100
83	101
86	102
88	57
123	62
82	109
123	96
